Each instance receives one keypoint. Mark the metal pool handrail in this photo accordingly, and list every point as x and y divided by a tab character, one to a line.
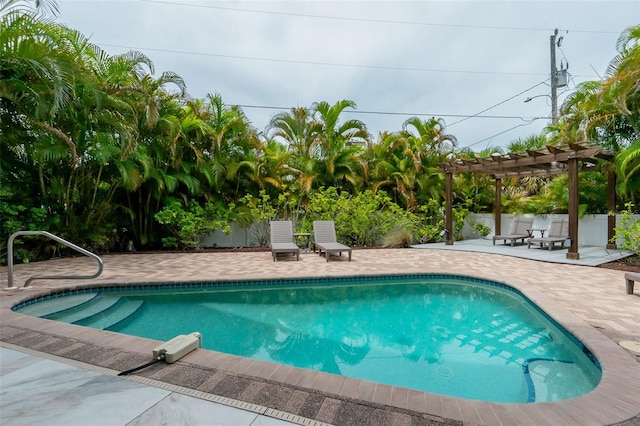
10	285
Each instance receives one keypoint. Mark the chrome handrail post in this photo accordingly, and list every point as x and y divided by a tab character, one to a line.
47	277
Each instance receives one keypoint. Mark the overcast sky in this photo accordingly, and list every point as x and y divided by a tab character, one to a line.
394	59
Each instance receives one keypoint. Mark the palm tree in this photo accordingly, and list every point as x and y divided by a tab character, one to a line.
77	149
608	112
297	129
628	166
395	169
431	145
338	143
431	138
624	70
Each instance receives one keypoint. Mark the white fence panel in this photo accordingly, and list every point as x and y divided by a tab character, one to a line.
592	228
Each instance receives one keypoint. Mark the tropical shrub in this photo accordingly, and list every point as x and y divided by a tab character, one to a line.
255	213
18	217
360	220
482	229
363	220
187	225
629	229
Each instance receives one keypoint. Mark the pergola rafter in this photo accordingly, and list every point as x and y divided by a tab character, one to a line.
548	161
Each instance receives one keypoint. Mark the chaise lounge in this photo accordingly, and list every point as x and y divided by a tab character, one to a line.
324	234
558	233
630	278
520	229
282	239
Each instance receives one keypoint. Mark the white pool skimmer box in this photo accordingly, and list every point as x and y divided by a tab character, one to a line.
178	347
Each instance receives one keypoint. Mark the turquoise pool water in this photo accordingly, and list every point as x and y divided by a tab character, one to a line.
448	335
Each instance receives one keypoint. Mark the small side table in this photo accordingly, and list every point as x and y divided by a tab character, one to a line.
306	240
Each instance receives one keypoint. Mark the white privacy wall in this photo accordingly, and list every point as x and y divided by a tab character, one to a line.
592	228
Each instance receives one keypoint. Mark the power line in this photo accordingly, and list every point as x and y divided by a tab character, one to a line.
529	120
291	61
505	131
376	21
409	114
498	104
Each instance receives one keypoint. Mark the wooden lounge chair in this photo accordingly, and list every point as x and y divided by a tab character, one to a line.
558	233
630	277
282	239
324	234
520	229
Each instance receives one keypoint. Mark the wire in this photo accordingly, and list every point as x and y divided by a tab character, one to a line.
376	21
291	61
498	104
412	114
505	131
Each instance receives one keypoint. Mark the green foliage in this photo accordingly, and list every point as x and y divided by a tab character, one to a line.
475	190
255	213
459	215
365	219
629	229
554	196
187	225
17	217
360	220
482	229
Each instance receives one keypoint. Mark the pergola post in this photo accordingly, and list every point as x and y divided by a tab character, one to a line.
497	208
448	215
611	220
572	253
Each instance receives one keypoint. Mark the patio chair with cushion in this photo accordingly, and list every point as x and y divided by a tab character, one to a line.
520	229
282	239
558	233
324	235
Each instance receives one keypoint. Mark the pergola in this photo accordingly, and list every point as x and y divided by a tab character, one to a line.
549	161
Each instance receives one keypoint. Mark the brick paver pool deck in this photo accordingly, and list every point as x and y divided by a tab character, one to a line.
589	302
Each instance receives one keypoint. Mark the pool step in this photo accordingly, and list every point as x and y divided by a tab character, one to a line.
114	314
57	304
93	307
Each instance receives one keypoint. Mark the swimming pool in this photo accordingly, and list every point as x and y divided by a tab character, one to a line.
451	335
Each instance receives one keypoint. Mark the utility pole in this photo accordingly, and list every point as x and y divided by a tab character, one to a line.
554	80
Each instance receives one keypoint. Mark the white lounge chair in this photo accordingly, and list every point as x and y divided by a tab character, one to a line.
558	233
282	238
520	229
324	234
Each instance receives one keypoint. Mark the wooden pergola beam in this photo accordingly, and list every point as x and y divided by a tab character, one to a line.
501	163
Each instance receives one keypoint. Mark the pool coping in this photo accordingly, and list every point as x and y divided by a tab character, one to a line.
614	399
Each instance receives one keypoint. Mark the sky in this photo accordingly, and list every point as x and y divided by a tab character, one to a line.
470	63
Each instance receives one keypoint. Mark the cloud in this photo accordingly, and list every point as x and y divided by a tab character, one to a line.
441	58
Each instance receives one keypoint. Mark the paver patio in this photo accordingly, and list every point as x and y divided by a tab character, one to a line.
590	302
